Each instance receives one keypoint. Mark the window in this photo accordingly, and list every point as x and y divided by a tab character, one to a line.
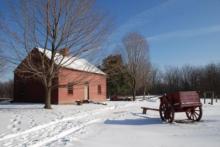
70	88
99	89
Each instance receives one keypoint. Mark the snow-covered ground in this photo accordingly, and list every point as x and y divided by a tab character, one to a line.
116	124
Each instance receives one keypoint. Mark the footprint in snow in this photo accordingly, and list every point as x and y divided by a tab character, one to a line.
15	122
33	123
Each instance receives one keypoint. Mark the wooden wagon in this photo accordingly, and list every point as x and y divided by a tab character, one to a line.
183	101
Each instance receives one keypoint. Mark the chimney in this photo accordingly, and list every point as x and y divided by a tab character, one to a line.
64	51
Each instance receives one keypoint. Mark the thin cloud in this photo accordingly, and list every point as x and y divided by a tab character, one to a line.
186	33
135	22
141	18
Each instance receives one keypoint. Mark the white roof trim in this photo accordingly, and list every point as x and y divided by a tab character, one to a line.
72	62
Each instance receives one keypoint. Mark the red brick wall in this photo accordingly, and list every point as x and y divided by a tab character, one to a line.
79	79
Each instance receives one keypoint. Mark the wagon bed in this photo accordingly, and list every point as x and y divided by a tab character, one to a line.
184	99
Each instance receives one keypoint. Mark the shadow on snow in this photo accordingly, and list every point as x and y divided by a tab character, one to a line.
20	106
144	120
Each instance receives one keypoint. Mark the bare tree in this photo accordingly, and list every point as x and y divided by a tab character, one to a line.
156	81
136	57
190	77
172	79
2	63
6	89
145	75
53	25
210	81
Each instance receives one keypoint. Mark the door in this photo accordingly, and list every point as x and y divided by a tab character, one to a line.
86	92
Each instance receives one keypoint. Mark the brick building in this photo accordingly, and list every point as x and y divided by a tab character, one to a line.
77	80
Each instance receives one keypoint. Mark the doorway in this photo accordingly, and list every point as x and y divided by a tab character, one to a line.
86	92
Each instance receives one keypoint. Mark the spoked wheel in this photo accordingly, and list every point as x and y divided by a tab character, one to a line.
194	114
166	113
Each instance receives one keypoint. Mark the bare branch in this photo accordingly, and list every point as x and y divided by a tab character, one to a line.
136	57
53	25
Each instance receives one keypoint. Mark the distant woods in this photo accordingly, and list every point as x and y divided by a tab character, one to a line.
6	89
199	78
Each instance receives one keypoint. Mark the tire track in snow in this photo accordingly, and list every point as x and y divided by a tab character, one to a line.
56	129
118	112
33	135
64	133
80	116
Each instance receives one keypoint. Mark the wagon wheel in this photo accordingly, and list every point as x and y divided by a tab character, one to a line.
194	114
166	112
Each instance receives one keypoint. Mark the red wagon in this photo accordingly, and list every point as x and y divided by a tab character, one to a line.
183	101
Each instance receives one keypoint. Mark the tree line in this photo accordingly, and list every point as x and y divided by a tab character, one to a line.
199	78
186	78
6	89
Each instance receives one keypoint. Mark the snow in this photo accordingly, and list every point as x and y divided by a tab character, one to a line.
115	124
72	62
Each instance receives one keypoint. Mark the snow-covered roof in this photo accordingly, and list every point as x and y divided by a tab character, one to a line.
72	62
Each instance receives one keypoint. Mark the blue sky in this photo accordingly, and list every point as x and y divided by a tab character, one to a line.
179	32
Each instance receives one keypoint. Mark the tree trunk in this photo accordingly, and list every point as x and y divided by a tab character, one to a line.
134	90
48	98
212	99
144	91
134	94
48	94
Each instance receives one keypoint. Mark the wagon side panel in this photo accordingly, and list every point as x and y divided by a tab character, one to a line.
189	99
